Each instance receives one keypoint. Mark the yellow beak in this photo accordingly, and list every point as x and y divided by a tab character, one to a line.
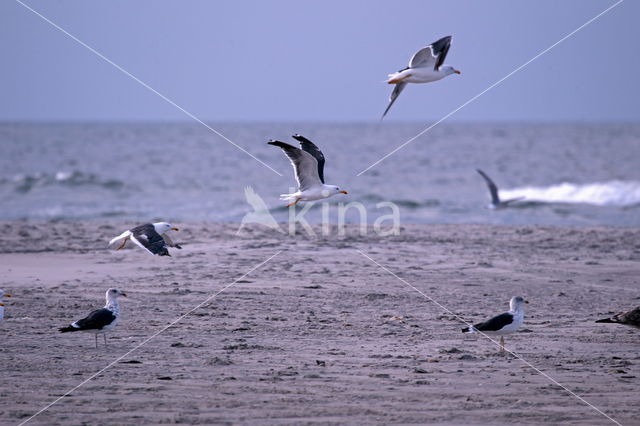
457	72
1	304
174	229
344	192
7	295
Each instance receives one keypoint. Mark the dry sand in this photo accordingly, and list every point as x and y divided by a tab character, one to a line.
320	334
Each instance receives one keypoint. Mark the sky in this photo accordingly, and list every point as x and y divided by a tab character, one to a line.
326	61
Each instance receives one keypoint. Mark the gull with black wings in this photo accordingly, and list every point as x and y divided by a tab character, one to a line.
508	322
425	66
152	237
496	202
308	165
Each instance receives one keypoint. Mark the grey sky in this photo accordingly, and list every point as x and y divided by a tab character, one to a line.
316	61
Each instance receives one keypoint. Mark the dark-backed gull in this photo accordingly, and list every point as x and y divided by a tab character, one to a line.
308	165
505	323
101	320
631	318
424	67
152	237
496	203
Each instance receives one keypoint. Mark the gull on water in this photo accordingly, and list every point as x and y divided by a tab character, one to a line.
631	318
101	320
424	67
505	323
496	202
2	294
308	165
152	237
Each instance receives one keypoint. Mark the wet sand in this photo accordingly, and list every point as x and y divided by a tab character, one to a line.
320	334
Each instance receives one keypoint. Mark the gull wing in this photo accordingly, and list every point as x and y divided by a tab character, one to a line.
496	323
312	149
95	320
440	49
394	95
493	189
432	55
304	164
145	236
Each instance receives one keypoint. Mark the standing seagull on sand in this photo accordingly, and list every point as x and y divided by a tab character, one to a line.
151	236
505	323
424	67
496	203
2	294
100	320
631	318
308	165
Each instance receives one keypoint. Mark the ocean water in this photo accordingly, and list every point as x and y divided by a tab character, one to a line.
569	174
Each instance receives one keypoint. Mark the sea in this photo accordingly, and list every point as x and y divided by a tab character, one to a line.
576	174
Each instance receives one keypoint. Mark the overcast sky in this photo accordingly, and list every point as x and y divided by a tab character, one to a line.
293	60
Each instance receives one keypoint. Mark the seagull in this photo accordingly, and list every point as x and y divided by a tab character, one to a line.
424	67
260	213
505	323
496	203
100	320
151	236
2	294
631	318
308	165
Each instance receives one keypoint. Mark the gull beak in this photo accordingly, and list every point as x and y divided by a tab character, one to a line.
7	295
344	192
174	229
123	294
526	301
1	304
457	72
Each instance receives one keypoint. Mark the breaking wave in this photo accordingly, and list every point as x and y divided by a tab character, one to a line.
26	182
613	193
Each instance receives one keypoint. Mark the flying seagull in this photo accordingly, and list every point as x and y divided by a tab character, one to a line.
2	294
505	323
496	203
424	67
102	320
308	165
631	318
260	213
151	236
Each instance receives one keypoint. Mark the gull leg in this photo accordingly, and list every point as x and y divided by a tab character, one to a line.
96	340
294	203
105	338
123	244
502	344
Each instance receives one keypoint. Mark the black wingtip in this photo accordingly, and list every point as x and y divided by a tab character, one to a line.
465	330
606	320
66	329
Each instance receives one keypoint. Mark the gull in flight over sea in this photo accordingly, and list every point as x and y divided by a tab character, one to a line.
152	237
496	202
308	165
505	323
631	318
424	67
101	320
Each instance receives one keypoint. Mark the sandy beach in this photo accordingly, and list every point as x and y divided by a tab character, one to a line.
320	334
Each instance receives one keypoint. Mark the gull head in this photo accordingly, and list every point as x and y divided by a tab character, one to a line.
517	303
330	190
162	227
448	69
113	293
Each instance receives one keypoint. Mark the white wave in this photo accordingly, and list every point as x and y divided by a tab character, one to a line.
613	193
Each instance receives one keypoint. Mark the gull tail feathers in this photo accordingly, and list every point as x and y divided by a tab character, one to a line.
120	237
469	330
